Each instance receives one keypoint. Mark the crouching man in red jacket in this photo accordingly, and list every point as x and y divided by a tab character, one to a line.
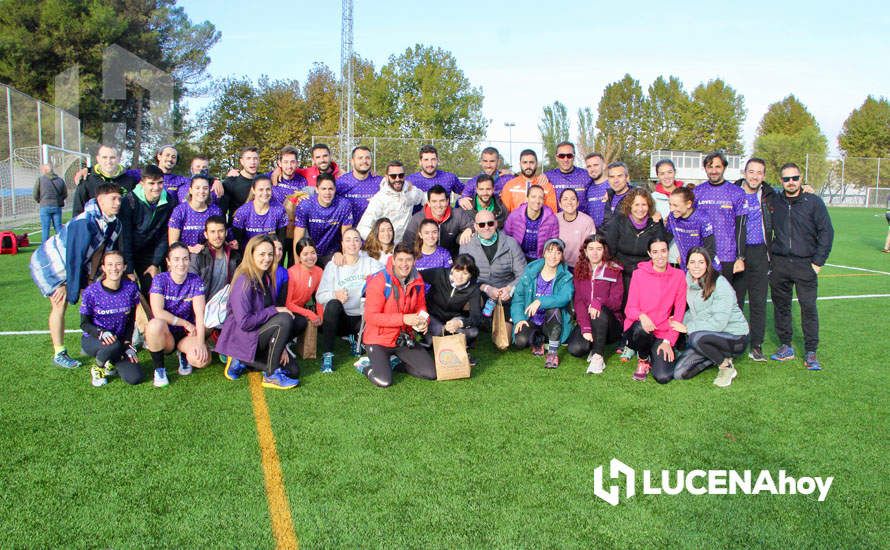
395	312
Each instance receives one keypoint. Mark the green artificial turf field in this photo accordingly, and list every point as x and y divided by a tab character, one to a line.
505	459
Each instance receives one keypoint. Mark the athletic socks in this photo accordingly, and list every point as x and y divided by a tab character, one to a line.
552	346
157	359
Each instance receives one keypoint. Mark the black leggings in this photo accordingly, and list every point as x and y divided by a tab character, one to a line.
337	323
417	362
532	334
131	373
646	346
706	348
605	329
437	328
272	338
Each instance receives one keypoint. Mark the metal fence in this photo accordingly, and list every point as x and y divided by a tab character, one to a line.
455	155
27	125
850	181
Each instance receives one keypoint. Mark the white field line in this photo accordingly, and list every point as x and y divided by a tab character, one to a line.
858	269
820	298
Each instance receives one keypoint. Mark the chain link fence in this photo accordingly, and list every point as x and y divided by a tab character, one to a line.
851	181
29	131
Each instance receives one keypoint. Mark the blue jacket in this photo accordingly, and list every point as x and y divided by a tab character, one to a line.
524	294
64	259
246	313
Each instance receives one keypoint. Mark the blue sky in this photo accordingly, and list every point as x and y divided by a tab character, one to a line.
525	54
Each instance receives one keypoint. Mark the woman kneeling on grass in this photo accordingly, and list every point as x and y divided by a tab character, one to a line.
454	301
598	291
395	312
540	304
177	305
107	318
657	294
256	332
716	327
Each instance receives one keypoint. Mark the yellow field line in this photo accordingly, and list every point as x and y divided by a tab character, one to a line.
279	509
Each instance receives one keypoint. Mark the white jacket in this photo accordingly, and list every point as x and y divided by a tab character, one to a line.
398	206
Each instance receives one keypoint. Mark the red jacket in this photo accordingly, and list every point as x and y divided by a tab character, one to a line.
311	173
386	302
301	287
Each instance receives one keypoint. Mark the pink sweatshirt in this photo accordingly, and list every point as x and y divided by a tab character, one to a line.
661	296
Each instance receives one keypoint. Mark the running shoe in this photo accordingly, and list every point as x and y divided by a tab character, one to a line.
161	378
551	361
811	362
642	371
355	345
234	369
538	351
184	368
726	373
784	353
65	361
97	376
596	363
279	380
756	354
110	369
362	364
327	363
627	354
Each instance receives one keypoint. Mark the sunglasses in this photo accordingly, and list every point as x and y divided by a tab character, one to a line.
565	155
786	179
399	176
490	223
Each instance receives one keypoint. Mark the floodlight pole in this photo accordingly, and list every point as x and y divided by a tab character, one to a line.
509	126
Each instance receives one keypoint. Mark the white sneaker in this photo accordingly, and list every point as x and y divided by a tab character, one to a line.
184	368
726	373
161	378
110	369
97	377
597	364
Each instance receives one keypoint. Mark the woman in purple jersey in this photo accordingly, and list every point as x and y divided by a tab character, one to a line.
107	318
427	250
689	227
187	221
177	304
259	215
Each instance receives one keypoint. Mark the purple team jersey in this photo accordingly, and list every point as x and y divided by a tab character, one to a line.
529	242
178	297
323	223
690	232
596	197
285	187
577	179
722	204
754	224
439	258
172	182
446	179
359	192
183	193
108	309
254	224
191	222
499	183
542	288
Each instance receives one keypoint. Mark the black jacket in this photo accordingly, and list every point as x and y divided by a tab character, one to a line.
86	189
202	264
609	211
444	302
629	245
144	229
237	189
766	191
800	227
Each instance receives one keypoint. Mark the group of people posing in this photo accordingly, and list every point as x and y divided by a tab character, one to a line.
575	257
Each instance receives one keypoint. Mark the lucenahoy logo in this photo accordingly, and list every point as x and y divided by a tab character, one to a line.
706	482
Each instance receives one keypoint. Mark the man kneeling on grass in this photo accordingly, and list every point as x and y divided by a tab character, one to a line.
69	261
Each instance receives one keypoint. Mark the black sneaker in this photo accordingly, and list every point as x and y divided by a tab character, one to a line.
756	354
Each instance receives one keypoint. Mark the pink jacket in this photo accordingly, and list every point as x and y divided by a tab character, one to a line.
605	289
661	296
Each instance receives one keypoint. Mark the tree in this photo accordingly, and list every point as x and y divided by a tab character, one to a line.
619	124
586	132
664	109
866	132
554	128
789	133
714	119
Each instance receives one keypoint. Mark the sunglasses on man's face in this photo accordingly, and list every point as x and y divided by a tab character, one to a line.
565	155
786	179
490	223
399	176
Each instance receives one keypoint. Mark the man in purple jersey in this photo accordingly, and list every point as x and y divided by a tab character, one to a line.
566	175
324	217
488	162
359	185
725	205
200	166
290	181
430	175
597	193
619	187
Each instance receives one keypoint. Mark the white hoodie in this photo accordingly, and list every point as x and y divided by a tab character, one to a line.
398	206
